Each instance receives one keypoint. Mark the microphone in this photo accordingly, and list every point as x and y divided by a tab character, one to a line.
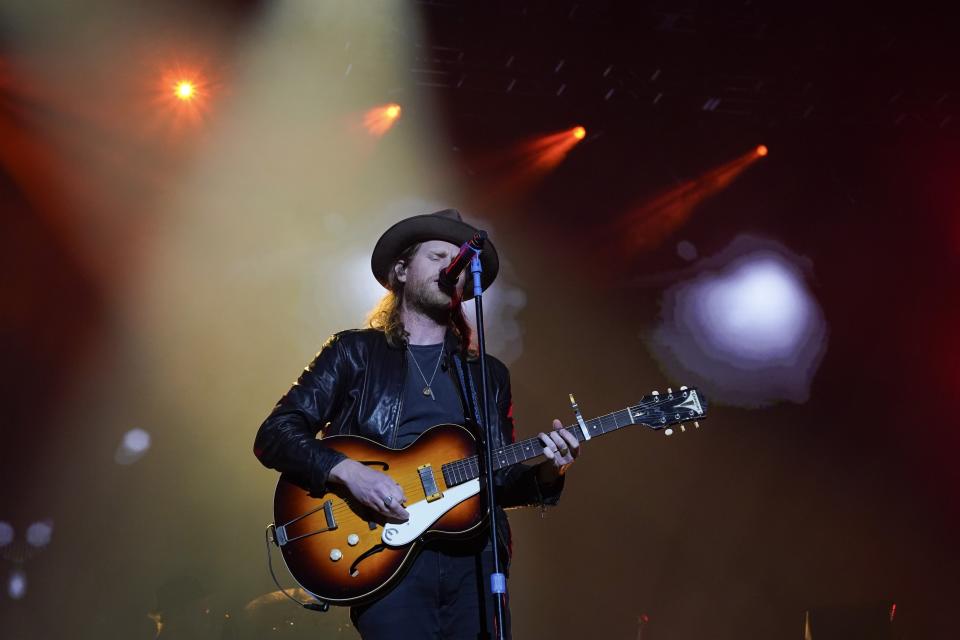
450	273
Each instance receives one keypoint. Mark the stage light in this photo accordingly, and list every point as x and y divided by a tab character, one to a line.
6	533
648	225
756	309
762	150
182	96
747	323
185	90
378	120
579	133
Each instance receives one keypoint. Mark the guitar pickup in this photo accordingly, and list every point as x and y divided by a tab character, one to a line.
429	483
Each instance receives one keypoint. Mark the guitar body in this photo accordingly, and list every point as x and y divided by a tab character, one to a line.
337	550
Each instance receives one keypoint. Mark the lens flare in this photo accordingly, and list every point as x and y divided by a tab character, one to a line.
185	90
182	96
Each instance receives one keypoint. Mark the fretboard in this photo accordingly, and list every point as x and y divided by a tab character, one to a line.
465	469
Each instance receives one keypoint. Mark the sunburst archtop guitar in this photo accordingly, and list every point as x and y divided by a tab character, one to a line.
343	554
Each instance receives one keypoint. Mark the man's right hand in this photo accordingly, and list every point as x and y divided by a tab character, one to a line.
374	489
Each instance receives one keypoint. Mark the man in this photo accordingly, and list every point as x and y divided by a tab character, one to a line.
390	383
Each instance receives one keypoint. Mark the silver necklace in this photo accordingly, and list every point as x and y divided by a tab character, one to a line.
427	391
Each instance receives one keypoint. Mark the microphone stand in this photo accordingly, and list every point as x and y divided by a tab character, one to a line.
498	581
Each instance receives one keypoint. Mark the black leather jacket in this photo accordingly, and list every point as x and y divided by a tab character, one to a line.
355	386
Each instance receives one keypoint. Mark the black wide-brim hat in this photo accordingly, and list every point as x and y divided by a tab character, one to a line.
441	225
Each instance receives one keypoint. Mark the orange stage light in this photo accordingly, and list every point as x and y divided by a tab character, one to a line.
378	120
653	221
185	90
183	96
532	159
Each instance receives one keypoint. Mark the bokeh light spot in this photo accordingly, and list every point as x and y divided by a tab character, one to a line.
133	446
40	533
6	533
17	585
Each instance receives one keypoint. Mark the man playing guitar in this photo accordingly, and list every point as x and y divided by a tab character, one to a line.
410	370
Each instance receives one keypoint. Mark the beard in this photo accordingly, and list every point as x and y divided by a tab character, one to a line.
428	298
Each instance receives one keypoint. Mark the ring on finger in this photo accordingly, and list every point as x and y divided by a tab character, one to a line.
387	500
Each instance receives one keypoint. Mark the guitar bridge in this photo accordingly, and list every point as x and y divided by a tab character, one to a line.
429	483
281	537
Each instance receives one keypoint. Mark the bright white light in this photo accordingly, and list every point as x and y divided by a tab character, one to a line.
746	329
6	533
133	446
39	533
136	440
756	310
17	585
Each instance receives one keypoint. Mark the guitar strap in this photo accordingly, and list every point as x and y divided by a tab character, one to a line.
469	393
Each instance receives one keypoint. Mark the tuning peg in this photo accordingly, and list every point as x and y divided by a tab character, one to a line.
683	428
668	432
683	388
696	425
655	393
669	390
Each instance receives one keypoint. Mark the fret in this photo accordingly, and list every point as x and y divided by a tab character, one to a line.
622	418
467	469
608	424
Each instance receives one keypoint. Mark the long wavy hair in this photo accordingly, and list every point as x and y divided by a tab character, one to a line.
386	315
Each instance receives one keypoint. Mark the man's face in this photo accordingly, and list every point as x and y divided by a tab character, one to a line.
422	271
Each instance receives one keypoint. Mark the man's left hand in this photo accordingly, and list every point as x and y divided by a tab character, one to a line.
561	449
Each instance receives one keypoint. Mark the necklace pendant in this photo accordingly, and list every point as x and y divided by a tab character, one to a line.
427	391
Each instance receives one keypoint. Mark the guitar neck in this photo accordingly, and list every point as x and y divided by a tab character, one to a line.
460	471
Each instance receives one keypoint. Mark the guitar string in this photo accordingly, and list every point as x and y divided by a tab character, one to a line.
411	485
466	464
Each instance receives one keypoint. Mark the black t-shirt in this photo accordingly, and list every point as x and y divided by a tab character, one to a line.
420	412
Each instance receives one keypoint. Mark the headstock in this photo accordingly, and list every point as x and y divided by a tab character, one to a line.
660	411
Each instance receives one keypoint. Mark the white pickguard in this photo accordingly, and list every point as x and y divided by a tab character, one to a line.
423	514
